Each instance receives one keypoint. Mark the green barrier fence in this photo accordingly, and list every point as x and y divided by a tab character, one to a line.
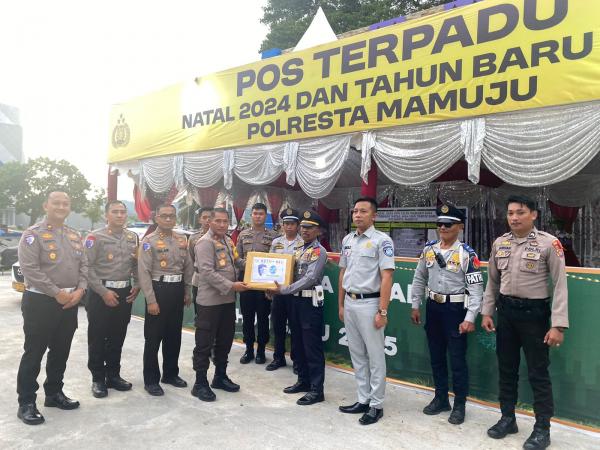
575	366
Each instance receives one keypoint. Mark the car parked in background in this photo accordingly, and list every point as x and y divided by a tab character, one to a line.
18	282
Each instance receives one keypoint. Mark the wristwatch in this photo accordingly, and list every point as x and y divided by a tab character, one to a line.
382	312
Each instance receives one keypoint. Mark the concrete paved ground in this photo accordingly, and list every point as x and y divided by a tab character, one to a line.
259	416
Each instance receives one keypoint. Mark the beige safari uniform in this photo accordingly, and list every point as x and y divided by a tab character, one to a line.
192	240
519	267
251	240
216	263
163	254
111	256
52	259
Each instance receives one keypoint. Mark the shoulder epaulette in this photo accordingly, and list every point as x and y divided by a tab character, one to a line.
467	248
430	243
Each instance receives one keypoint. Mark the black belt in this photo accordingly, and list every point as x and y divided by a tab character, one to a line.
519	302
356	296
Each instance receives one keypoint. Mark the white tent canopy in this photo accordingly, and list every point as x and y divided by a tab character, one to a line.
532	148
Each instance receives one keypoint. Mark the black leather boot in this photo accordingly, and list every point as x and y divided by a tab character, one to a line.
457	416
506	425
260	355
540	437
202	390
29	414
248	355
437	405
222	381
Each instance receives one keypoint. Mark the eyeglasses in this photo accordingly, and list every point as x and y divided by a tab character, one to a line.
445	224
167	216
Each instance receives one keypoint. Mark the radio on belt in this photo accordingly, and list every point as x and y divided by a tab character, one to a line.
318	296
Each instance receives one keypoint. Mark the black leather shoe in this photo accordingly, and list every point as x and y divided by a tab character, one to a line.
506	425
176	381
436	406
99	389
203	392
154	389
29	414
371	416
298	386
118	383
260	358
60	401
275	364
538	440
310	398
247	357
357	408
225	383
457	416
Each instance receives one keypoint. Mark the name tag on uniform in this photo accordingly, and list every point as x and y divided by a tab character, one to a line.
474	278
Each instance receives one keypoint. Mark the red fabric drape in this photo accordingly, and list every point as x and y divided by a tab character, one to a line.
142	205
370	190
566	216
239	206
275	200
208	196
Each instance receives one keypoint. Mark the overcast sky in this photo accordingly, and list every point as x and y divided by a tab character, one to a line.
64	63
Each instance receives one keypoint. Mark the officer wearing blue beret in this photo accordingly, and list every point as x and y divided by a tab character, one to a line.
448	277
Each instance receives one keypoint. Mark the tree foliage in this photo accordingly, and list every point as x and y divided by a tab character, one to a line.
26	186
94	209
288	19
13	179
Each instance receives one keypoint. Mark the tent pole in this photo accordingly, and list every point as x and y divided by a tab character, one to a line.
111	185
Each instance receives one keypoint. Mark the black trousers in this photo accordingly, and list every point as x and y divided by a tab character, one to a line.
46	326
280	316
164	328
523	325
307	327
255	306
215	328
443	338
194	295
107	328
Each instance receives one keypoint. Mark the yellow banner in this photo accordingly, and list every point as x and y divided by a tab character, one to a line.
489	57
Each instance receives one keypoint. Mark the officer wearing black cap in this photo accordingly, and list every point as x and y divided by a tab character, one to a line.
307	311
288	244
448	276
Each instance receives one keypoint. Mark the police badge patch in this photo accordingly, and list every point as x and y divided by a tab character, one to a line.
90	241
29	239
146	246
388	250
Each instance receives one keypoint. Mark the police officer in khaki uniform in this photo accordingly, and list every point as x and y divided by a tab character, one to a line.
281	311
55	270
307	311
521	262
112	272
165	274
216	260
205	215
448	276
365	284
254	305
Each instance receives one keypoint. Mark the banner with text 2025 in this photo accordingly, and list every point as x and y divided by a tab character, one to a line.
489	57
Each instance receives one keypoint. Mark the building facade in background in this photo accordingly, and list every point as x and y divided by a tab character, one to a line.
11	149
